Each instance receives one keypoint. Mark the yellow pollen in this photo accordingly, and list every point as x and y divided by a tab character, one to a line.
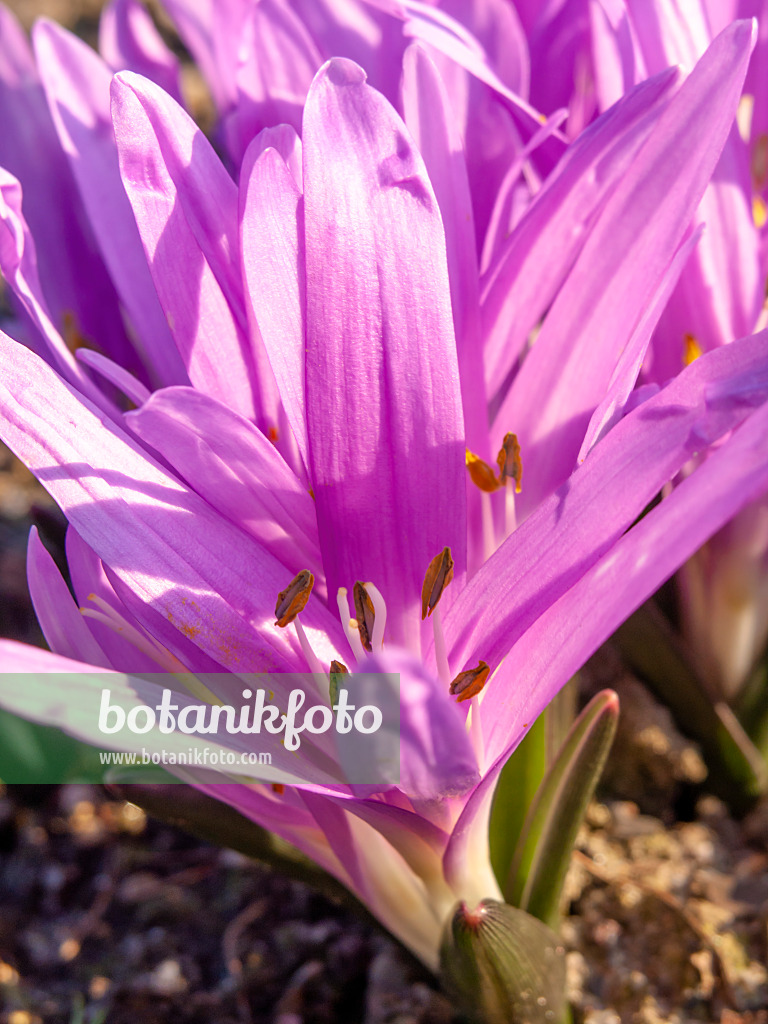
469	683
510	463
293	599
691	349
439	575
365	613
481	473
759	211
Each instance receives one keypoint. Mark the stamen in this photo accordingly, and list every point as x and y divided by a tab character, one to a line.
313	662
439	574
469	683
349	625
759	211
481	474
294	598
510	463
489	530
365	614
338	669
691	349
379	615
441	651
510	512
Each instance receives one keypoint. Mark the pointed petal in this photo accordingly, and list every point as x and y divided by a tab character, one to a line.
534	262
575	527
185	205
64	628
76	82
567	371
383	405
74	281
552	649
128	39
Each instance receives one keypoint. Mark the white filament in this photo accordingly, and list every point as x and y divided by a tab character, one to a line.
441	653
379	616
353	637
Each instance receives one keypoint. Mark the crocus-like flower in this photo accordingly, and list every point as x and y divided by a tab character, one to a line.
315	307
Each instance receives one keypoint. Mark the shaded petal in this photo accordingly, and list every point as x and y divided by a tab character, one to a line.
567	371
18	265
64	628
235	468
383	405
279	60
429	119
203	575
122	379
437	760
76	82
74	281
128	39
185	205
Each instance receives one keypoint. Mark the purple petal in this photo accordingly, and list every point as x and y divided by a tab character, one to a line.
76	82
564	636
535	261
74	281
64	628
272	246
278	64
185	206
18	265
235	468
211	581
622	263
383	405
129	40
575	527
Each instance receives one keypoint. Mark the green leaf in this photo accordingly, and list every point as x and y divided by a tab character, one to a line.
523	774
543	851
38	754
737	772
503	966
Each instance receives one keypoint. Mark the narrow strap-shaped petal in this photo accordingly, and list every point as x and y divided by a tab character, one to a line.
279	60
628	367
185	205
235	468
564	636
129	40
76	82
64	628
272	253
189	564
537	257
567	371
122	379
74	280
429	119
573	528
384	415
18	265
